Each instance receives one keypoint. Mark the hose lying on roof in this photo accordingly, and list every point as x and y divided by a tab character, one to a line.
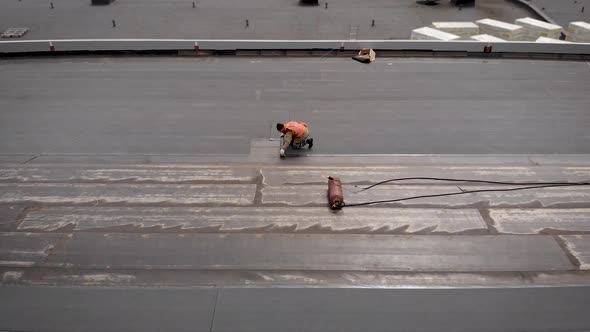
335	189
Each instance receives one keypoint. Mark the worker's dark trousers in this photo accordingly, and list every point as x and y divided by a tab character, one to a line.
298	143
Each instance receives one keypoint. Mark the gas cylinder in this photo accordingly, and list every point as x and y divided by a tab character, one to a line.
335	194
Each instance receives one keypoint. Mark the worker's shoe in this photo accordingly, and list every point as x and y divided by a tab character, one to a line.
309	142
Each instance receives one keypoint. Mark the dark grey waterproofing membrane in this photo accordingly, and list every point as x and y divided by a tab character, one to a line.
217	105
67	309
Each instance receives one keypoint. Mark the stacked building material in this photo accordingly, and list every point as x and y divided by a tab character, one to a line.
14	33
579	32
501	29
427	33
461	29
486	38
366	55
535	28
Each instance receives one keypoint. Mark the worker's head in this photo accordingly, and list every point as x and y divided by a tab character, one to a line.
280	126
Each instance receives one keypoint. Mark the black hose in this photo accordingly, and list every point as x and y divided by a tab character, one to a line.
563	184
475	181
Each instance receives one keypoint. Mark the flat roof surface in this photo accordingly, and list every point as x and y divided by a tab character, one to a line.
150	243
144	194
226	19
146	105
564	11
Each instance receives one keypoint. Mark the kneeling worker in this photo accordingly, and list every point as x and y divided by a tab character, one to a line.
295	135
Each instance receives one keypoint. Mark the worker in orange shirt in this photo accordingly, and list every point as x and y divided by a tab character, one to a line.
295	135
